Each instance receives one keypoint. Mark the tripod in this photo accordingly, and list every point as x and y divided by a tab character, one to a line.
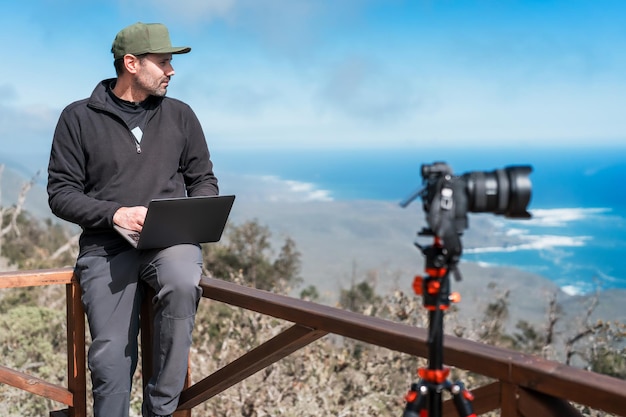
424	398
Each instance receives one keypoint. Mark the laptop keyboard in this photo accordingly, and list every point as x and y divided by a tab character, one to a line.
134	236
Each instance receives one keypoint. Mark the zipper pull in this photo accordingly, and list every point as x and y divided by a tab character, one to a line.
138	147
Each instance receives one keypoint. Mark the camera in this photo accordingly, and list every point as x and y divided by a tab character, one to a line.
447	198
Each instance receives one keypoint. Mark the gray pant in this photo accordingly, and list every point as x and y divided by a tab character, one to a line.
112	294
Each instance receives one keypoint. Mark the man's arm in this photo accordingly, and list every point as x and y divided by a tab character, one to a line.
67	178
196	165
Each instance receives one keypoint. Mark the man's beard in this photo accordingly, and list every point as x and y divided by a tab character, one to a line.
152	87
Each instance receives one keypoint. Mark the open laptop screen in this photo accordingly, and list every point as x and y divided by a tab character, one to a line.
172	221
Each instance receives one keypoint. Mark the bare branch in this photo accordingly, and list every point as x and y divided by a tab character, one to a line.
1	172
68	246
587	328
2	211
17	209
552	319
20	201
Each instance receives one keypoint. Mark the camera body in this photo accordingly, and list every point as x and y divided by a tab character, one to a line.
447	198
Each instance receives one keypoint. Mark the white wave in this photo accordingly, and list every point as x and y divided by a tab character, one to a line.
308	191
273	188
515	232
531	242
573	290
606	278
599	281
554	235
562	216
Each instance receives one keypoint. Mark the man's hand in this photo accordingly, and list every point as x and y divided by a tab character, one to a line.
130	217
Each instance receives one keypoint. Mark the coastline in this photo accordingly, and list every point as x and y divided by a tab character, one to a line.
344	241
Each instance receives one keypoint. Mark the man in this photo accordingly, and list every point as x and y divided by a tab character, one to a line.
111	154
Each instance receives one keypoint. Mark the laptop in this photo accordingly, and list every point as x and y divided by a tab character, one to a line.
172	221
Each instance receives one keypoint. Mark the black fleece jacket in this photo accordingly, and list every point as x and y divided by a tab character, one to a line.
96	166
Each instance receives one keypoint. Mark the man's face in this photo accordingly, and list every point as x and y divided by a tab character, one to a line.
153	74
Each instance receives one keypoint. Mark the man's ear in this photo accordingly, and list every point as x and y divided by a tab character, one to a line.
131	62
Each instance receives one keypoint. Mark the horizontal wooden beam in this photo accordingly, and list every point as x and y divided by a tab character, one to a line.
533	404
280	346
35	385
597	391
17	279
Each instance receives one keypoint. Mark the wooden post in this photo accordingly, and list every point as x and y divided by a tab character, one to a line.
76	370
508	402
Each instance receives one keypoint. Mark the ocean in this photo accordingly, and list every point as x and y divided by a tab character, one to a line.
575	238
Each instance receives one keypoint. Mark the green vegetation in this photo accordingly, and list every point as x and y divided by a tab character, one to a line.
245	250
32	340
31	244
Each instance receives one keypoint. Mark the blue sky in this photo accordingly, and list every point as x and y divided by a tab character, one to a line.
331	73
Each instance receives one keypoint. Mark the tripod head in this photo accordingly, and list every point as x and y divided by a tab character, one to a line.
434	287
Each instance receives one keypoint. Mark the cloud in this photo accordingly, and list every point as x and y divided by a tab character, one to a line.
290	29
363	88
8	93
351	72
185	10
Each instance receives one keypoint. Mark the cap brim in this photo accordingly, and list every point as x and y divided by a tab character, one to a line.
175	50
170	50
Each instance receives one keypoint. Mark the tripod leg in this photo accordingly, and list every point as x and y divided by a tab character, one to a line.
416	401
462	400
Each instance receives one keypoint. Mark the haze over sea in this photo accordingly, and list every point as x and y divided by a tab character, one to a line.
576	235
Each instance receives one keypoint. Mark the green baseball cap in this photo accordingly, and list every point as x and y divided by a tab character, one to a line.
145	38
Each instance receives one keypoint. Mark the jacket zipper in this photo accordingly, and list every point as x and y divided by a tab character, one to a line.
135	141
137	145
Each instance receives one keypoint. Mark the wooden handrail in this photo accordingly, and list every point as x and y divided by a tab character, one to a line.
35	385
548	377
42	277
526	386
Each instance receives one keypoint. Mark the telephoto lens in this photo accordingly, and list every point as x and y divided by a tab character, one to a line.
502	191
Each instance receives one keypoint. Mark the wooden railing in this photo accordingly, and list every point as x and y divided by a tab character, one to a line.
526	386
74	395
